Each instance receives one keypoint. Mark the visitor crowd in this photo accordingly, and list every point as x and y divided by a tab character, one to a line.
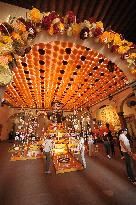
89	143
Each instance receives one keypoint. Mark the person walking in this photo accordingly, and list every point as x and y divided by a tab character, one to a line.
82	151
91	144
106	143
118	143
126	149
111	141
47	148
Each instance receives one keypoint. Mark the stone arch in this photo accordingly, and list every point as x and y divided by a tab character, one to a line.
108	114
123	101
96	107
14	113
129	114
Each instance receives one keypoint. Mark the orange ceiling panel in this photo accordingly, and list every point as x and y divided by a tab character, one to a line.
75	75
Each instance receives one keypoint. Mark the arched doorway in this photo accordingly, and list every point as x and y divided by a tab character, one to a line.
128	107
108	114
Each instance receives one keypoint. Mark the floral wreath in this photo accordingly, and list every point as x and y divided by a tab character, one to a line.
17	34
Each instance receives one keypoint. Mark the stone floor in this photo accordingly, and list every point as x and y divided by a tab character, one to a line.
104	182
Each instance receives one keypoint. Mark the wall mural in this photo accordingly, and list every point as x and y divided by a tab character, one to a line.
109	115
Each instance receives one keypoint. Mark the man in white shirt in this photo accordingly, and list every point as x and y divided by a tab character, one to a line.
91	144
82	151
47	148
126	149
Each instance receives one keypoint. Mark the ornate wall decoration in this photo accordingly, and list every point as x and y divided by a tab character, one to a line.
109	115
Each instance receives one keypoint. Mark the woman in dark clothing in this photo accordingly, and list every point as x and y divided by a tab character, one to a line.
106	144
111	143
11	135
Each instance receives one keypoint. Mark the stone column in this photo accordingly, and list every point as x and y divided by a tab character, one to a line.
122	120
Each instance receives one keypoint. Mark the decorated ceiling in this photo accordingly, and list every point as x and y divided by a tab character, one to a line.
37	74
72	74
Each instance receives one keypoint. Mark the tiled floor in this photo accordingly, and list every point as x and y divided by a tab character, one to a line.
104	182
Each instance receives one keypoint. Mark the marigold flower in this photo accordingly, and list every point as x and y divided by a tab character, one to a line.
35	15
61	27
75	28
123	49
1	44
133	70
51	30
99	24
127	43
10	58
20	26
105	36
15	35
117	40
132	55
7	39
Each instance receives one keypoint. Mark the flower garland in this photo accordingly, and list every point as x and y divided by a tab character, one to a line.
16	35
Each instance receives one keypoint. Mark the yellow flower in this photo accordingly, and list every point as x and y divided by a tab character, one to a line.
15	35
105	36
1	44
5	48
35	15
10	58
111	37
133	70
99	24
51	30
117	40
61	27
7	39
24	36
20	26
123	49
75	28
132	55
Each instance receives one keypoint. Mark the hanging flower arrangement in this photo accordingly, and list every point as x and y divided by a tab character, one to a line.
18	33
